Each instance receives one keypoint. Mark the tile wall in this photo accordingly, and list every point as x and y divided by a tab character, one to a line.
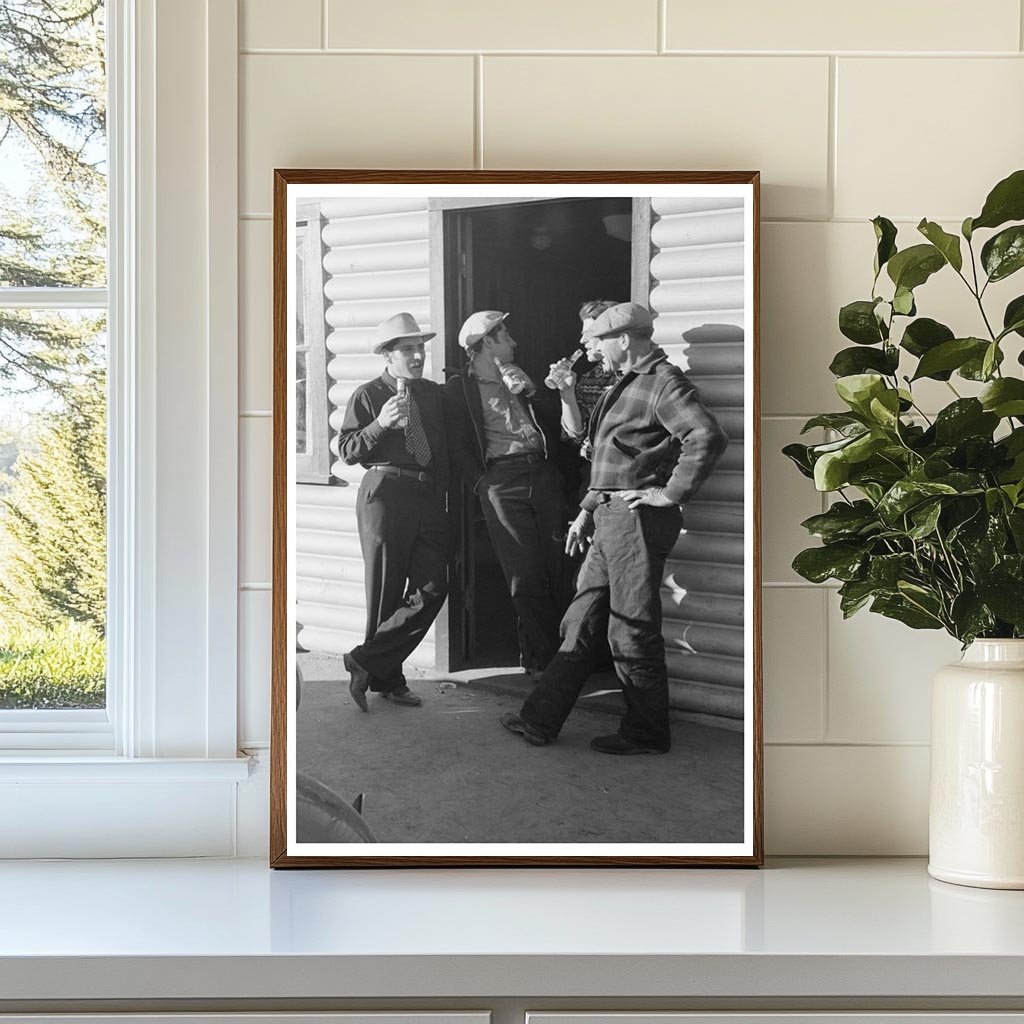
908	110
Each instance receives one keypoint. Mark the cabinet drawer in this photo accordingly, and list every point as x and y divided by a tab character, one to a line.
359	1017
853	1017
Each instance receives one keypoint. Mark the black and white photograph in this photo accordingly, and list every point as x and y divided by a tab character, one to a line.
516	580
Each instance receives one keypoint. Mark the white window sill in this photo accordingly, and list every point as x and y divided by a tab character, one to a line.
75	766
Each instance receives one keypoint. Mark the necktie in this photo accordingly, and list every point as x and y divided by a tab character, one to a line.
416	443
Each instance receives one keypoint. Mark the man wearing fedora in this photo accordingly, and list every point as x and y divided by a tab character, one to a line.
653	444
403	525
503	439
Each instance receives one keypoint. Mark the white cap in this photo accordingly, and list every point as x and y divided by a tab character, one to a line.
479	324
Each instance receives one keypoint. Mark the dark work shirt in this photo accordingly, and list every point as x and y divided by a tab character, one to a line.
364	441
651	429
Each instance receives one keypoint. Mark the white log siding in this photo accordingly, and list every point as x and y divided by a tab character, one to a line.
697	297
377	264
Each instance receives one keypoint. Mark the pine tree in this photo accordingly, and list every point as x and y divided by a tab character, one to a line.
52	122
53	520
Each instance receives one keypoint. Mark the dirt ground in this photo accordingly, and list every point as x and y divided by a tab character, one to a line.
448	772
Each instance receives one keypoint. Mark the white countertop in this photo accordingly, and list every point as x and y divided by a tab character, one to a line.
235	929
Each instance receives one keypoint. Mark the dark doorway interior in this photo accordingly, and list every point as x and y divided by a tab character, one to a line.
539	262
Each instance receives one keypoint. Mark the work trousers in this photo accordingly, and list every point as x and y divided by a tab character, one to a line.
617	595
525	514
403	533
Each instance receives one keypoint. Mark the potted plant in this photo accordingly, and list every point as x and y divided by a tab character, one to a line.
927	521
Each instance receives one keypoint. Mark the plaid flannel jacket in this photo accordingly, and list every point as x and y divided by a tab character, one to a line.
651	429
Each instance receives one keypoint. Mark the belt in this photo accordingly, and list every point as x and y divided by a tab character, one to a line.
412	474
528	457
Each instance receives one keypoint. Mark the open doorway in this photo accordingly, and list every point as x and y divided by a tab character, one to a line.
538	261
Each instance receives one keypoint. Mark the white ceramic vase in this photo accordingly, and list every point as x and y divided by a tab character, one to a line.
976	813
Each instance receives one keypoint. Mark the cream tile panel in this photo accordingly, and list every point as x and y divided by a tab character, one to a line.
256	362
255	511
962	126
271	24
794	663
787	499
682	113
879	677
846	801
808	272
871	25
351	111
254	609
468	25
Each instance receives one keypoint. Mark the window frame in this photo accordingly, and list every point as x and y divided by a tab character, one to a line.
152	120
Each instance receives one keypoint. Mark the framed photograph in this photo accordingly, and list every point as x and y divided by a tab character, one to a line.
516	609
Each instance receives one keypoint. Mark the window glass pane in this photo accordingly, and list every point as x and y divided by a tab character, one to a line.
301	376
52	509
301	414
53	149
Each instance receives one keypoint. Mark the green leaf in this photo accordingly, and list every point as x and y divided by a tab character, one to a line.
970	617
923	335
841	421
904	495
1004	595
854	595
886	571
885	409
857	321
947	244
831	471
840	561
974	368
865	446
1004	397
925	518
991	360
1003	254
858	389
850	361
1015	520
903	302
842	521
1005	202
1013	317
949	356
965	229
885	236
966	417
799	455
912	267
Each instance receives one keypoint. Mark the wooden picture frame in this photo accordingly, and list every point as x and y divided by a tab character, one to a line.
450	787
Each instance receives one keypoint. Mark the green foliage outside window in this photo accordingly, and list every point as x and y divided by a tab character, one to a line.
52	365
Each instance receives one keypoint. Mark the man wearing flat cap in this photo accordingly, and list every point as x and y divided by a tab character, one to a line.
503	433
403	524
653	444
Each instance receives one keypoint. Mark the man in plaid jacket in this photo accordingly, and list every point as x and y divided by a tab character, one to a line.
653	444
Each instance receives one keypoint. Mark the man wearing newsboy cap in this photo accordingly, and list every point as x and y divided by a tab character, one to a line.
653	444
403	525
503	433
